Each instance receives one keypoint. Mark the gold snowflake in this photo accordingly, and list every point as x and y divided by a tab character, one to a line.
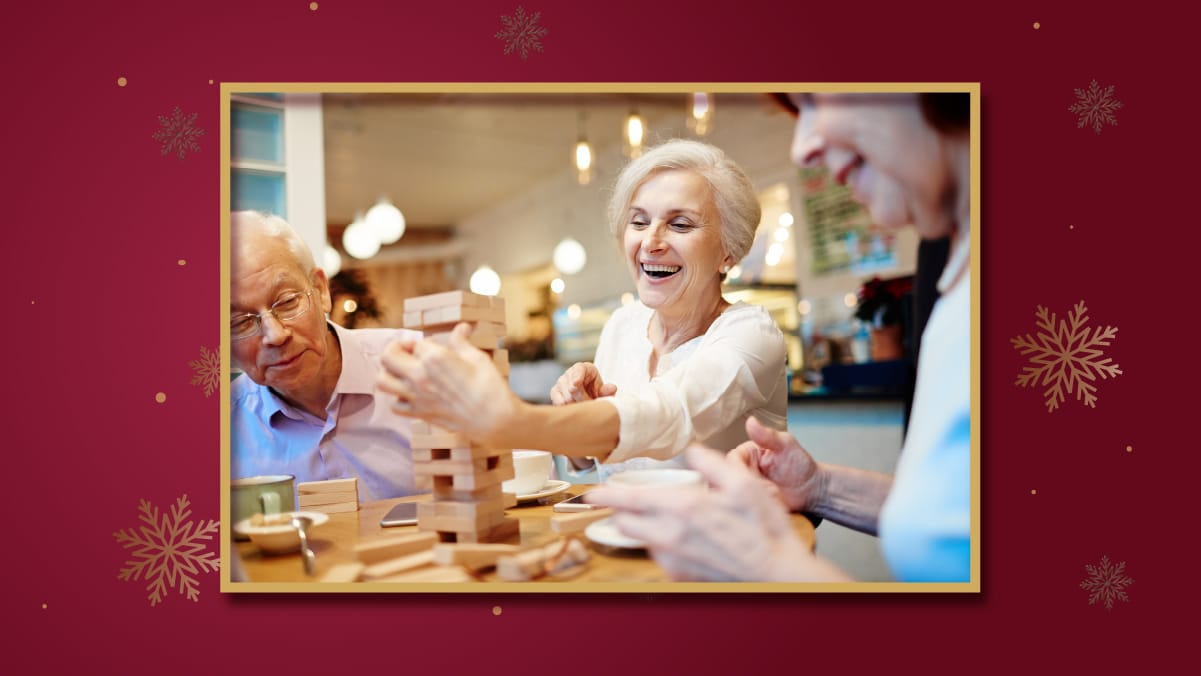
168	552
1065	357
521	32
177	133
1106	583
1095	106
208	370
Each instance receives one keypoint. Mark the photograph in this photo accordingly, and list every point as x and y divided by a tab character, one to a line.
670	337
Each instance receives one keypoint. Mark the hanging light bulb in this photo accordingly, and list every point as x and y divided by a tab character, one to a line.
360	240
569	256
583	155
700	119
485	281
386	220
634	133
331	261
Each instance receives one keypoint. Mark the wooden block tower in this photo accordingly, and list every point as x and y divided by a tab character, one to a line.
468	504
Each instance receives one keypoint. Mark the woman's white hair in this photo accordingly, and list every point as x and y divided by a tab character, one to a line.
244	225
733	194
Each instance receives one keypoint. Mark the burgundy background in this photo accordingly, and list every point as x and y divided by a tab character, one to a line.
100	317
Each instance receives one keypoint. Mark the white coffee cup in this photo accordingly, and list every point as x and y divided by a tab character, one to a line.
531	471
667	476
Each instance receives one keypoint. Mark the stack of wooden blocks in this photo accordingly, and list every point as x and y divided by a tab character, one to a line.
331	497
468	505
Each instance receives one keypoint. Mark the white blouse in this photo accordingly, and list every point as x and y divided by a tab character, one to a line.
703	391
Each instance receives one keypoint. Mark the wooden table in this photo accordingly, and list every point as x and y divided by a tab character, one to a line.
334	543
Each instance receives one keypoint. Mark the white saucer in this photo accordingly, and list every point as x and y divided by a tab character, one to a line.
279	538
605	533
551	487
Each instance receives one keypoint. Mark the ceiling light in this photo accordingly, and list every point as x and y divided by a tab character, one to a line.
786	220
386	220
570	257
485	281
557	285
360	240
627	298
332	262
634	133
700	118
583	155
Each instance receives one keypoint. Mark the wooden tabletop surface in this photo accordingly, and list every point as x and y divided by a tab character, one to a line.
334	542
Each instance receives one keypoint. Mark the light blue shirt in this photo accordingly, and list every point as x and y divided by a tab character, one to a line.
925	525
360	438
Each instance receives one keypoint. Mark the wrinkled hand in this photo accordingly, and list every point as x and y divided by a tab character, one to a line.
453	385
581	382
780	459
732	531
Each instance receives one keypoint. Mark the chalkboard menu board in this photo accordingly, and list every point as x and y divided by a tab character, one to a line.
841	236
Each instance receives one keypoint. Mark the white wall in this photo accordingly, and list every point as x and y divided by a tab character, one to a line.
304	159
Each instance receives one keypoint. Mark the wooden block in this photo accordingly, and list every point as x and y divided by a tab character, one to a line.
575	522
502	472
432	574
327	499
555	558
423	483
438	440
398	565
472	556
343	572
502	531
419	426
329	486
481	523
374	551
444	299
485	336
496	302
447	492
459	313
412	320
500	357
449	467
469	453
338	508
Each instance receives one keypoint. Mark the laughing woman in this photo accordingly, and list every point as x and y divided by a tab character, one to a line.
681	365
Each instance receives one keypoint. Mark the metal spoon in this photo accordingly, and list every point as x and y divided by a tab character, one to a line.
302	523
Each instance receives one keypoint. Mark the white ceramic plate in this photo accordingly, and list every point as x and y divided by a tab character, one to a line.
279	538
551	487
605	533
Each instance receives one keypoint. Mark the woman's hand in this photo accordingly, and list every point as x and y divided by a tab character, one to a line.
581	382
779	458
732	531
452	385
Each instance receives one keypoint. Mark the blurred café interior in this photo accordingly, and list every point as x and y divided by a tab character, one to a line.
504	192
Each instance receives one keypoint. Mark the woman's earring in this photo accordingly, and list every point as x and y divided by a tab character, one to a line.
725	269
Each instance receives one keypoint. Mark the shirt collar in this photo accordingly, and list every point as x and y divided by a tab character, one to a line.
359	371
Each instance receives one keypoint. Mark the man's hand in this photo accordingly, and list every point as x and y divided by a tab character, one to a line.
455	385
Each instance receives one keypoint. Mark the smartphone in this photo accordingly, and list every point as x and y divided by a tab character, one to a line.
575	504
401	514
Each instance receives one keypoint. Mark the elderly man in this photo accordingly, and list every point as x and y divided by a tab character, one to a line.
307	404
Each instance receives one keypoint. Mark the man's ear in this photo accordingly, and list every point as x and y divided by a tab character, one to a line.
321	284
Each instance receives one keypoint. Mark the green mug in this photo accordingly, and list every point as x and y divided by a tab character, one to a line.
270	494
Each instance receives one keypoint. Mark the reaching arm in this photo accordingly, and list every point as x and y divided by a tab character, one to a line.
455	386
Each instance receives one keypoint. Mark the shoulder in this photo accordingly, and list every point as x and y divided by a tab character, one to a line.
373	341
747	320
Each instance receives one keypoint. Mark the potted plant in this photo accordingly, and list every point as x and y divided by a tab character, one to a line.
881	308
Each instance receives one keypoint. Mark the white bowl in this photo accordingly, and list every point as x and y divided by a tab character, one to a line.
280	538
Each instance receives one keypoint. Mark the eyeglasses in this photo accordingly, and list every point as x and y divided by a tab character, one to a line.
285	309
